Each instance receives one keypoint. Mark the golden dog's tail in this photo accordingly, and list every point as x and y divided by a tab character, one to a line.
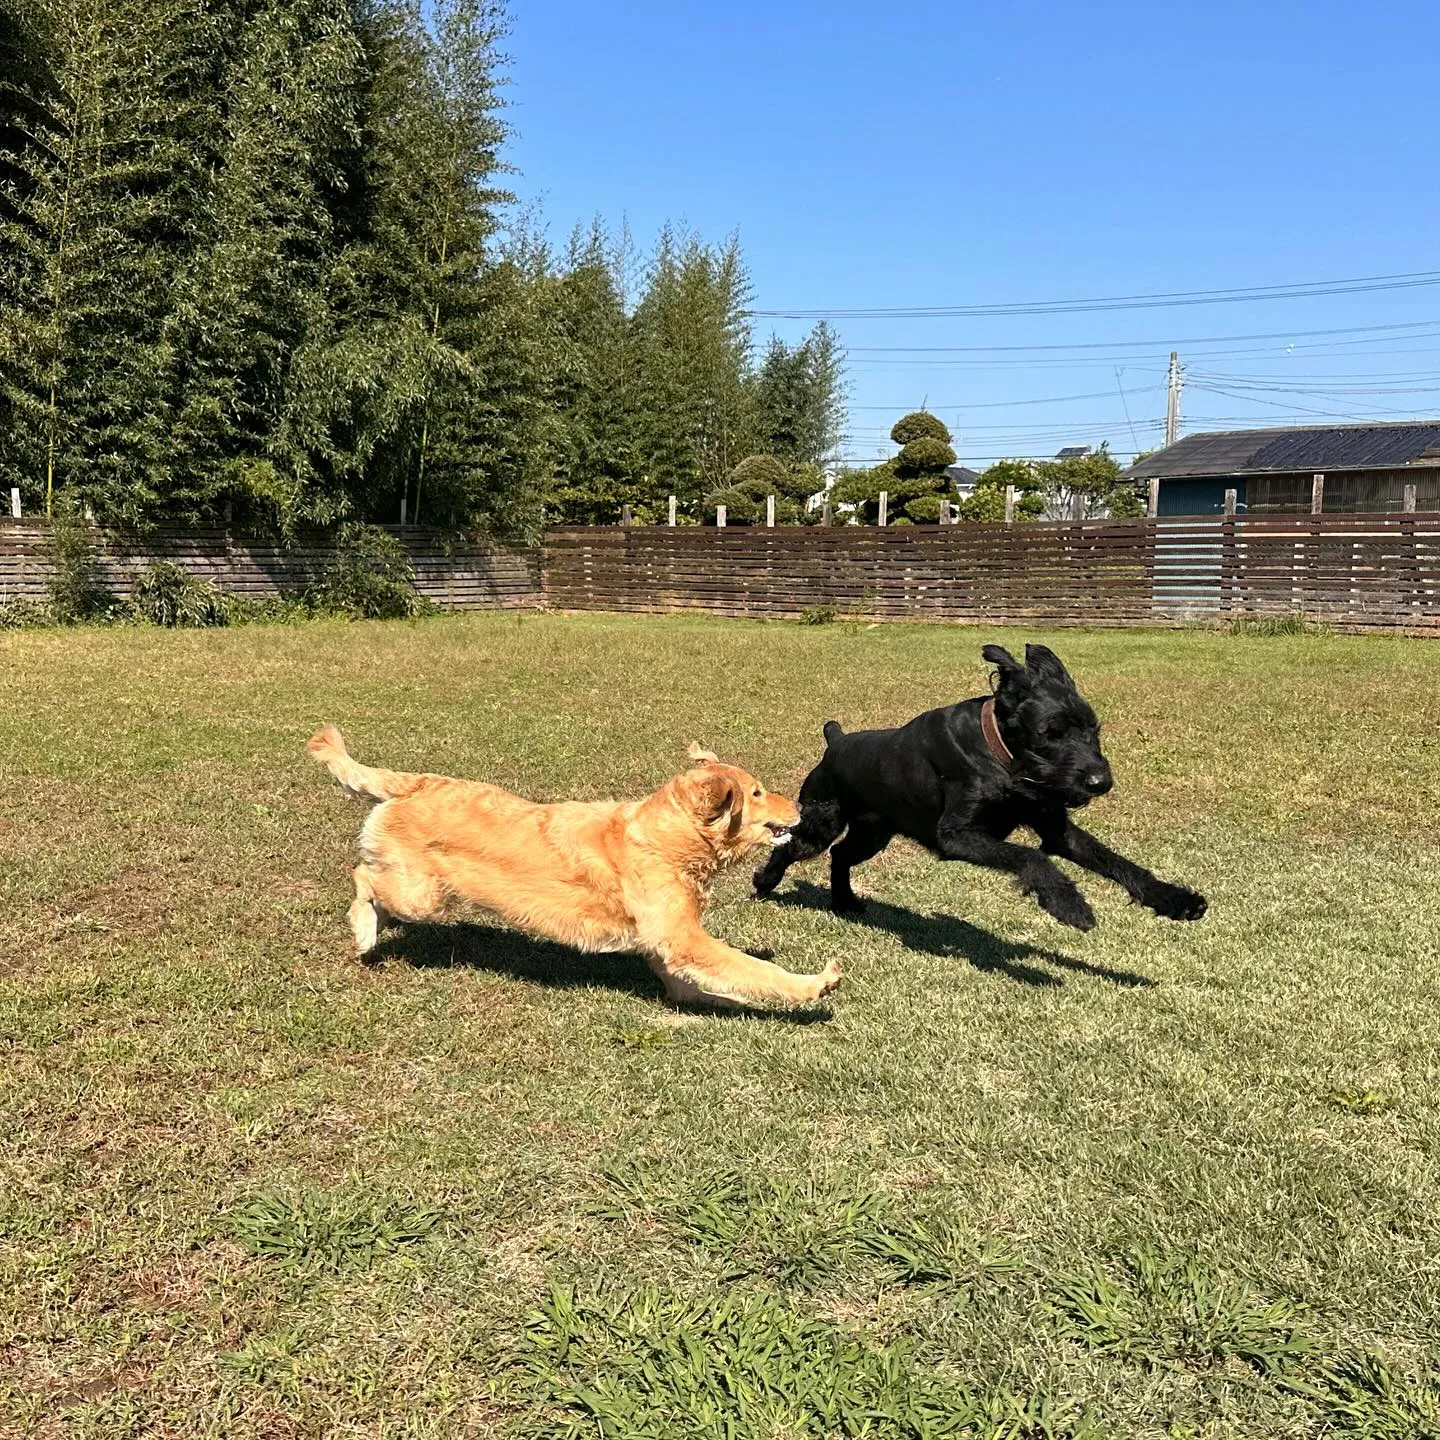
327	745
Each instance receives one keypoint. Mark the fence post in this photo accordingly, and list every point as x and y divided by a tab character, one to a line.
884	507
402	509
1230	502
1009	504
1317	495
770	512
1077	506
1154	508
826	515
1408	504
672	509
719	517
627	516
15	501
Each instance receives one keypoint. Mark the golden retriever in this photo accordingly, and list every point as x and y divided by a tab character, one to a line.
598	875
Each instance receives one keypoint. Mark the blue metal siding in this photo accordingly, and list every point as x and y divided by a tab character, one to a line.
1199	497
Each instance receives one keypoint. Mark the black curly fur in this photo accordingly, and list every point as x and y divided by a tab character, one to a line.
937	781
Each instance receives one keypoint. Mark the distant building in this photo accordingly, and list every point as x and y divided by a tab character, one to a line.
964	480
1073	452
1366	468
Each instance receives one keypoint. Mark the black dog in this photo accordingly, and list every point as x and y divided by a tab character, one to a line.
961	780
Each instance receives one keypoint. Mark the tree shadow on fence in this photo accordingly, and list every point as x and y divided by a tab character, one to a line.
952	938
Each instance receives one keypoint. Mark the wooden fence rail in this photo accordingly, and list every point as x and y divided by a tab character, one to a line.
1360	572
456	576
1356	572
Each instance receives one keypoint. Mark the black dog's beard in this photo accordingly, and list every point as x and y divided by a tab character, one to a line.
1039	774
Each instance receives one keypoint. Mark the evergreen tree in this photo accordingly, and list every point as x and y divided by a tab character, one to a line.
915	481
596	391
1090	483
255	299
101	173
757	477
987	501
691	334
799	398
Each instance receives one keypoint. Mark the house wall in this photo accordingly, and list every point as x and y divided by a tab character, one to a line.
1346	492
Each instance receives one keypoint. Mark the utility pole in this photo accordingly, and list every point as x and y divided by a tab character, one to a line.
1172	406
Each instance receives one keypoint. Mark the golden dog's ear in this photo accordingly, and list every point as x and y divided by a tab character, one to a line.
702	756
717	796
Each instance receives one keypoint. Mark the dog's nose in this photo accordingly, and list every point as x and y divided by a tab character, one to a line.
1098	782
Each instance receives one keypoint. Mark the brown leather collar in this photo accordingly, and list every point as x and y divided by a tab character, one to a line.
990	729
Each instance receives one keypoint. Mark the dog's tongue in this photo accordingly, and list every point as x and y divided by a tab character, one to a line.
779	837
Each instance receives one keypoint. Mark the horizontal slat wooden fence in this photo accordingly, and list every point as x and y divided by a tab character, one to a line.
457	576
1356	572
1360	572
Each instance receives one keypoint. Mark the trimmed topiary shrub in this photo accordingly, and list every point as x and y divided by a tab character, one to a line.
925	456
754	479
919	425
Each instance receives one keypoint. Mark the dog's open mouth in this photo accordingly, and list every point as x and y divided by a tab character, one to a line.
779	834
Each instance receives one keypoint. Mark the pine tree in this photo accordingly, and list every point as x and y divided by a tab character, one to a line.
915	481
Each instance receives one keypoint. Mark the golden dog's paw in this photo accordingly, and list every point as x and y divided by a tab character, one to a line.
829	980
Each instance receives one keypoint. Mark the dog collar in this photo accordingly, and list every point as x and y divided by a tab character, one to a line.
990	729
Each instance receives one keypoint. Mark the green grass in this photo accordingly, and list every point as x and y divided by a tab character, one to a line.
1153	1181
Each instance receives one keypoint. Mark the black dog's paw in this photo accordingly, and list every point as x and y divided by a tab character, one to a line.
1175	902
764	882
847	905
1067	906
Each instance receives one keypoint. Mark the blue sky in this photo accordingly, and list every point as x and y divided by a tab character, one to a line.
924	154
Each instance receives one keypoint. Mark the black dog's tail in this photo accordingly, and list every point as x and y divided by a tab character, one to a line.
831	731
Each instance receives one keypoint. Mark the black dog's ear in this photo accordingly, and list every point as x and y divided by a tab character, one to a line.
999	656
1044	664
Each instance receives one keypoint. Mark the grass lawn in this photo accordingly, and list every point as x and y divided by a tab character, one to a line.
1157	1180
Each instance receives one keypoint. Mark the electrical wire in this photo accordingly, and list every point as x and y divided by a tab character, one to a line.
1304	290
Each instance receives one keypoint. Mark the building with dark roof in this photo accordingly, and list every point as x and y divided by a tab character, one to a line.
1366	468
964	479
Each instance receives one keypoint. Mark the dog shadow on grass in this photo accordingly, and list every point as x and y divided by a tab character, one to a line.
950	937
547	963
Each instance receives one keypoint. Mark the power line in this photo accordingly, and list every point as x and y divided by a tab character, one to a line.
1365	284
1166	345
1001	404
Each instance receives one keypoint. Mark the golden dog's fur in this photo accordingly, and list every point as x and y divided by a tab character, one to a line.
599	875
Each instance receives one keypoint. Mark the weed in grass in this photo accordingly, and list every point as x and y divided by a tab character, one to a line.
269	1361
804	1233
1359	1102
1362	1396
1272	626
325	1232
644	1039
1170	1310
818	615
647	1365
